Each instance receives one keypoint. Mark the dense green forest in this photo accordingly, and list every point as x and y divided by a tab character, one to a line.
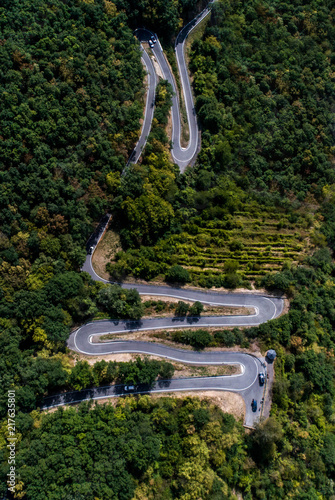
72	96
260	198
140	449
265	86
71	80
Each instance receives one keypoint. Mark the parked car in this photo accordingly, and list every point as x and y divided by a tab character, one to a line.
261	378
254	405
128	388
153	39
90	250
151	44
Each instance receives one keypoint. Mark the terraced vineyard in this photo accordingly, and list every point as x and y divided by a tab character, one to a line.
255	248
254	245
246	244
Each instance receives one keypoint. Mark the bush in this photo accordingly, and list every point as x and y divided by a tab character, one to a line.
141	371
116	271
177	274
236	245
81	376
200	339
196	309
230	266
232	280
225	338
120	303
166	370
182	308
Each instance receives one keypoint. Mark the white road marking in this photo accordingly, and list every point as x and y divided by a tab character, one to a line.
274	305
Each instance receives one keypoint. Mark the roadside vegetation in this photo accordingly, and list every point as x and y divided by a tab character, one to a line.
164	17
197	338
182	308
201	338
259	208
141	371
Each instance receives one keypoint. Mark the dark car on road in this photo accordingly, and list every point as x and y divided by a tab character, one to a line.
129	388
90	250
254	405
261	378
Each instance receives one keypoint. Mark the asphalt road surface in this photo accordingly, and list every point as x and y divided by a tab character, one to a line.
181	156
149	107
246	384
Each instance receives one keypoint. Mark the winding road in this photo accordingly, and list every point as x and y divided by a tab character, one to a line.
149	107
246	383
265	307
181	156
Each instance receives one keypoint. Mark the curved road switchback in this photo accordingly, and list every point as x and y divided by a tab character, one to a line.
265	307
246	383
181	156
84	341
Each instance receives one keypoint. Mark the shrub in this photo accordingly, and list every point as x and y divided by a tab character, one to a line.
200	339
182	308
166	370
225	338
177	274
232	280
196	309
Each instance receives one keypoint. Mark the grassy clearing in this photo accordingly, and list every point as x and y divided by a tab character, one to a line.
108	246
